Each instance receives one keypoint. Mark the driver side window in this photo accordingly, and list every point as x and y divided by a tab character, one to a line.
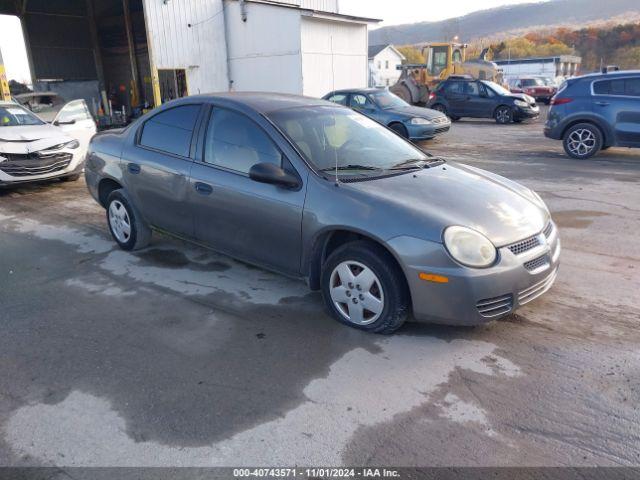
473	89
361	102
235	142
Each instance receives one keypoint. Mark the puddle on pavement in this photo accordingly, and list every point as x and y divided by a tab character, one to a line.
576	218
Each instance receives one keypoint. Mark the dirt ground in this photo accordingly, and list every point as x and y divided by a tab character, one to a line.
177	356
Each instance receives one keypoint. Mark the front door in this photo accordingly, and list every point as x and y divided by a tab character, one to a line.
257	222
76	121
157	167
479	105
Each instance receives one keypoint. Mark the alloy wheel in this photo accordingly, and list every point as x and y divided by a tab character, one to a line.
356	293
119	221
581	142
503	115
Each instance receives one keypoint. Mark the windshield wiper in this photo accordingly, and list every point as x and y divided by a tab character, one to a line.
418	164
349	167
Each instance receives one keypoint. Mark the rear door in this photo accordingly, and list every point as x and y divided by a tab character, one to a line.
456	98
76	121
362	103
618	101
257	222
157	166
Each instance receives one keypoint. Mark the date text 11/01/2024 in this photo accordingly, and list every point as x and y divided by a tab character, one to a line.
316	473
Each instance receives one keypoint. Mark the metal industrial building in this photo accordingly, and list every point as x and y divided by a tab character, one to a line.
135	54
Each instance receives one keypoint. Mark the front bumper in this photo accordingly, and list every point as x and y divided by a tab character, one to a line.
31	168
427	132
526	112
475	296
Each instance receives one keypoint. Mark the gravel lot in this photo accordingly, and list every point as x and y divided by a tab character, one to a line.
176	356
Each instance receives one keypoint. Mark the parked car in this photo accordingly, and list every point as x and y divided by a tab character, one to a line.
31	149
595	112
314	190
465	97
414	123
535	87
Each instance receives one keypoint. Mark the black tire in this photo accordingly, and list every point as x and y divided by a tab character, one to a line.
453	118
400	130
585	134
547	101
392	283
70	178
140	233
503	115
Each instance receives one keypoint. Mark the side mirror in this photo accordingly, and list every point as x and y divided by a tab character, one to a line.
274	175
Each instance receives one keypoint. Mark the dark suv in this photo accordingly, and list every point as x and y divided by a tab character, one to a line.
595	112
466	97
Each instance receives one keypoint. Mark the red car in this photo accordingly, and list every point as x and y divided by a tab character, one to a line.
534	87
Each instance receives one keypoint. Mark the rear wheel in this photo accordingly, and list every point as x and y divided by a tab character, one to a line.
126	226
503	115
440	108
364	288
582	141
399	129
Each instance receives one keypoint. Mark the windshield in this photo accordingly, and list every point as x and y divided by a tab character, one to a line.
499	89
15	116
328	135
388	100
532	82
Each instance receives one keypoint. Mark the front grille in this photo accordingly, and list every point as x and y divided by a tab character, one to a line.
442	129
524	245
538	289
548	230
34	164
492	307
537	263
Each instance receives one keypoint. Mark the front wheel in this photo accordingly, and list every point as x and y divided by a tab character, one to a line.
503	115
364	288
399	129
126	226
582	141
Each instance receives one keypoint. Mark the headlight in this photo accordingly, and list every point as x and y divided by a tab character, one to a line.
72	144
469	247
520	103
420	121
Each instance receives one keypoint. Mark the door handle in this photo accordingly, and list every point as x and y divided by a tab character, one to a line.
134	168
602	104
203	188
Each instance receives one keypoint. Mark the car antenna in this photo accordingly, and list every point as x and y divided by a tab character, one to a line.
333	89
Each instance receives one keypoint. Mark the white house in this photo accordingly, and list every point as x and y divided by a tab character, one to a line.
135	54
383	60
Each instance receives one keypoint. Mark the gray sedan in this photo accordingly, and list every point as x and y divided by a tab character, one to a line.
317	191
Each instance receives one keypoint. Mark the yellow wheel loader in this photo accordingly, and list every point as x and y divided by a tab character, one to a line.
443	60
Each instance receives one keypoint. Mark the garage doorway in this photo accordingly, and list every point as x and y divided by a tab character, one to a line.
173	84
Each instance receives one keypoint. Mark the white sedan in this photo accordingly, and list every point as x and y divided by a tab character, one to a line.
32	149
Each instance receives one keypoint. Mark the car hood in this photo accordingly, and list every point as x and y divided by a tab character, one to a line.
522	96
30	138
453	194
410	111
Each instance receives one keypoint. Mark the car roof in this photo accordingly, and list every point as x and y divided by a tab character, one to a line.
262	102
617	73
359	90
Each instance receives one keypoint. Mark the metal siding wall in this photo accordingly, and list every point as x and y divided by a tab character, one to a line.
350	63
199	49
320	5
264	51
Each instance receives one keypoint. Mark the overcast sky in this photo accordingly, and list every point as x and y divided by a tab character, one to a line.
393	12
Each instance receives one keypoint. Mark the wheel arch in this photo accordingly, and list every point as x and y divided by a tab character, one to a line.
607	137
329	239
105	187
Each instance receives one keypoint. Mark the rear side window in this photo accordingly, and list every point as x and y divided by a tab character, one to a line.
171	131
235	142
455	87
339	98
622	86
